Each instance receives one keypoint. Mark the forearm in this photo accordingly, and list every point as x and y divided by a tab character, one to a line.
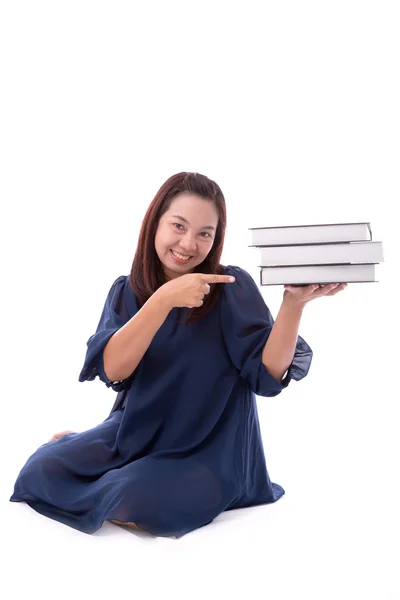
127	346
280	347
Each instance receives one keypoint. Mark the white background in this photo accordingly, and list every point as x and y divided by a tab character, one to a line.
293	108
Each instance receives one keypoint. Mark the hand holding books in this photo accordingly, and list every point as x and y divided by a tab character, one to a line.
302	294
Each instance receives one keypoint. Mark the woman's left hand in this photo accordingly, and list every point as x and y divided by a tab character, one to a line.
301	295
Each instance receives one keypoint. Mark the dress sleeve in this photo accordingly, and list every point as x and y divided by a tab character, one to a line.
113	317
246	324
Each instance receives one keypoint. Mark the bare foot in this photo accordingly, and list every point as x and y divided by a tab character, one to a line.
57	436
128	523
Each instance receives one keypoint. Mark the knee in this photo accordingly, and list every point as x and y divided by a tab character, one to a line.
43	463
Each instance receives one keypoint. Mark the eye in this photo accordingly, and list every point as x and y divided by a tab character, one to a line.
205	234
178	225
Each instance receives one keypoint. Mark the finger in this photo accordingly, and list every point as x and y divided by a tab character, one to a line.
302	288
290	288
330	288
198	300
322	289
217	278
337	289
206	289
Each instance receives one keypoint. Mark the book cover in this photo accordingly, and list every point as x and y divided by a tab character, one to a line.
312	254
310	234
322	274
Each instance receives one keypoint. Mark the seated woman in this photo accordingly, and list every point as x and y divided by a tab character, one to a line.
190	343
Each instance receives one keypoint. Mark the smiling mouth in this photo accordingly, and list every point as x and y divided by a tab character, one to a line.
182	258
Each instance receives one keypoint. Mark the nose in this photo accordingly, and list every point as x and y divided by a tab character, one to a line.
188	243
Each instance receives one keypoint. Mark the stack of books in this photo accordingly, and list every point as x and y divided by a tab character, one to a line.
325	253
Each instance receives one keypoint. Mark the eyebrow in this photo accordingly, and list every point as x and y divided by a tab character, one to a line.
187	222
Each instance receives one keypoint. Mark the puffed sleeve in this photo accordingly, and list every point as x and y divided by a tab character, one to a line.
246	324
113	317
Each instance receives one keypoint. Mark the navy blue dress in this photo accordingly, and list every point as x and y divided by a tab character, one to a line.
183	444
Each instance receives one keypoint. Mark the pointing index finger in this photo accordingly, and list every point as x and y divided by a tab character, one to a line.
218	278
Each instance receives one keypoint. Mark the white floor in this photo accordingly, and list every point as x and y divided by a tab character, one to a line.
335	534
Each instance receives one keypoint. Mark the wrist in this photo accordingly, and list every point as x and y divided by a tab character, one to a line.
292	305
161	301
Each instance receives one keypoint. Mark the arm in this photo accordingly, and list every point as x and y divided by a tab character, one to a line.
127	346
247	324
280	346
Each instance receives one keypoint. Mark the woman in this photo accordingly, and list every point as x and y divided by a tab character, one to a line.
187	343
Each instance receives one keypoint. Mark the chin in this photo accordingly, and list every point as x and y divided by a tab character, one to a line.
182	270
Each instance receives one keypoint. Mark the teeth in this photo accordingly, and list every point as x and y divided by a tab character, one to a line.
181	256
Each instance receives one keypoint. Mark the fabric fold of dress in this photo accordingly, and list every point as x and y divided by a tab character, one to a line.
185	443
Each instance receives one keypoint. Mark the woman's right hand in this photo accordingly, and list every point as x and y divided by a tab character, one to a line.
189	290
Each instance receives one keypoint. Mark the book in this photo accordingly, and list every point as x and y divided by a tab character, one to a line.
322	274
313	254
310	234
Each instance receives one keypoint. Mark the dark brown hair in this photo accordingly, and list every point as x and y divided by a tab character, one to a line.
147	273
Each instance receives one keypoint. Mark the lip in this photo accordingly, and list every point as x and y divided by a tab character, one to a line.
178	260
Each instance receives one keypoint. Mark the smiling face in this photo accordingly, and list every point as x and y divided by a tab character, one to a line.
185	234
